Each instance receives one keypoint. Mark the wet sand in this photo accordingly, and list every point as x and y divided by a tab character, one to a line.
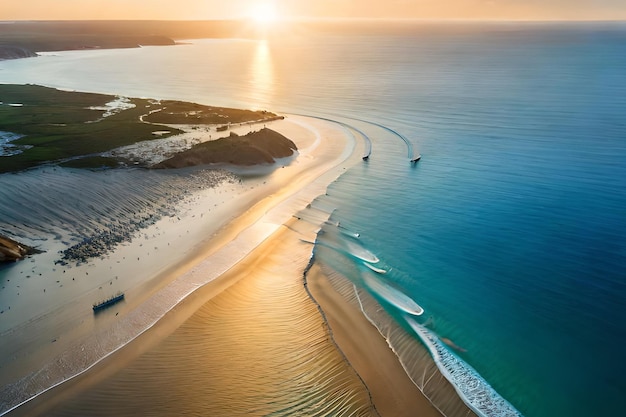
250	340
258	346
393	393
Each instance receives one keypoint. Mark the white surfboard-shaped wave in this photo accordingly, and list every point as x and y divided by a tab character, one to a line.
393	296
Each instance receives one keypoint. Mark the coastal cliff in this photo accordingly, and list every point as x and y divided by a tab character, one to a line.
15	52
11	250
255	148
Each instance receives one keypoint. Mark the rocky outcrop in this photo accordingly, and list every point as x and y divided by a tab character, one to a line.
11	250
15	52
255	148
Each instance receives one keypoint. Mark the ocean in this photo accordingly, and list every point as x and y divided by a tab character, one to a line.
510	232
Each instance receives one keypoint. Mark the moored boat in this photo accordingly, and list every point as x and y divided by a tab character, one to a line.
108	302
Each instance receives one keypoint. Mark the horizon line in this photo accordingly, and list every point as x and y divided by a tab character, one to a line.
327	19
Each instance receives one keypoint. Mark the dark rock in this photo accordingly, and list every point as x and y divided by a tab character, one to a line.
15	52
11	250
255	148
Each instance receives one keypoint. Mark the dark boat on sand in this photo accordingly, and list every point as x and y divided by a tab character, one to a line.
108	302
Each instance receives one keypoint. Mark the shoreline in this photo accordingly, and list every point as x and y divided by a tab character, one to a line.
253	224
389	387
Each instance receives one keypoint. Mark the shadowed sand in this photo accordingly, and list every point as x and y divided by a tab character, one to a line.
251	341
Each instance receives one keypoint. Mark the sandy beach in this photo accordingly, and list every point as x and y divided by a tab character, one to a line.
231	329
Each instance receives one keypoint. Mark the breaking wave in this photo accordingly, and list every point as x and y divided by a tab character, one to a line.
392	296
474	389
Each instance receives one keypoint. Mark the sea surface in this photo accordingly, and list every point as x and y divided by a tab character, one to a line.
510	232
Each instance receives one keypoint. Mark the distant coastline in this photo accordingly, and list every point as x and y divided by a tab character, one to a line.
24	39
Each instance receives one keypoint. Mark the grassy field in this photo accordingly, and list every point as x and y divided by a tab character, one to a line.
178	112
60	126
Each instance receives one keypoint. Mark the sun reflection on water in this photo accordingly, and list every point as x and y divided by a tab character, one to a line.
261	75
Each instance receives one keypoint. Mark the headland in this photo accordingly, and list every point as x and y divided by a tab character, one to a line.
75	129
23	39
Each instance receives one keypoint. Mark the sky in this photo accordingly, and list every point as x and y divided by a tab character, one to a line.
236	9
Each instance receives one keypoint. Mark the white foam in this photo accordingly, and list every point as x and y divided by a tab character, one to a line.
392	295
113	107
291	189
471	387
375	269
360	252
7	148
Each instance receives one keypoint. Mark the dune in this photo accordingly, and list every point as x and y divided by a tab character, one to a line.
260	147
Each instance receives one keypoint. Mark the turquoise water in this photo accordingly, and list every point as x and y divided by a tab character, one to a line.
510	232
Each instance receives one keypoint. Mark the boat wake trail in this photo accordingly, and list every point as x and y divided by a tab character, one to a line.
367	141
413	156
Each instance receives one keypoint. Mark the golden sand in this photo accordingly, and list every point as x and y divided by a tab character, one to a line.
251	342
392	391
256	348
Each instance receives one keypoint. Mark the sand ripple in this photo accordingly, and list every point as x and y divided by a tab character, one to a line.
259	348
415	358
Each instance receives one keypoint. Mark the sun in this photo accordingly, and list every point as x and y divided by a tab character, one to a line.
264	13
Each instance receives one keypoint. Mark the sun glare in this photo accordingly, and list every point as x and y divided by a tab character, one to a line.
264	13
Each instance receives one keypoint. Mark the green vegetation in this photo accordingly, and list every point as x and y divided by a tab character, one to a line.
178	112
59	125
